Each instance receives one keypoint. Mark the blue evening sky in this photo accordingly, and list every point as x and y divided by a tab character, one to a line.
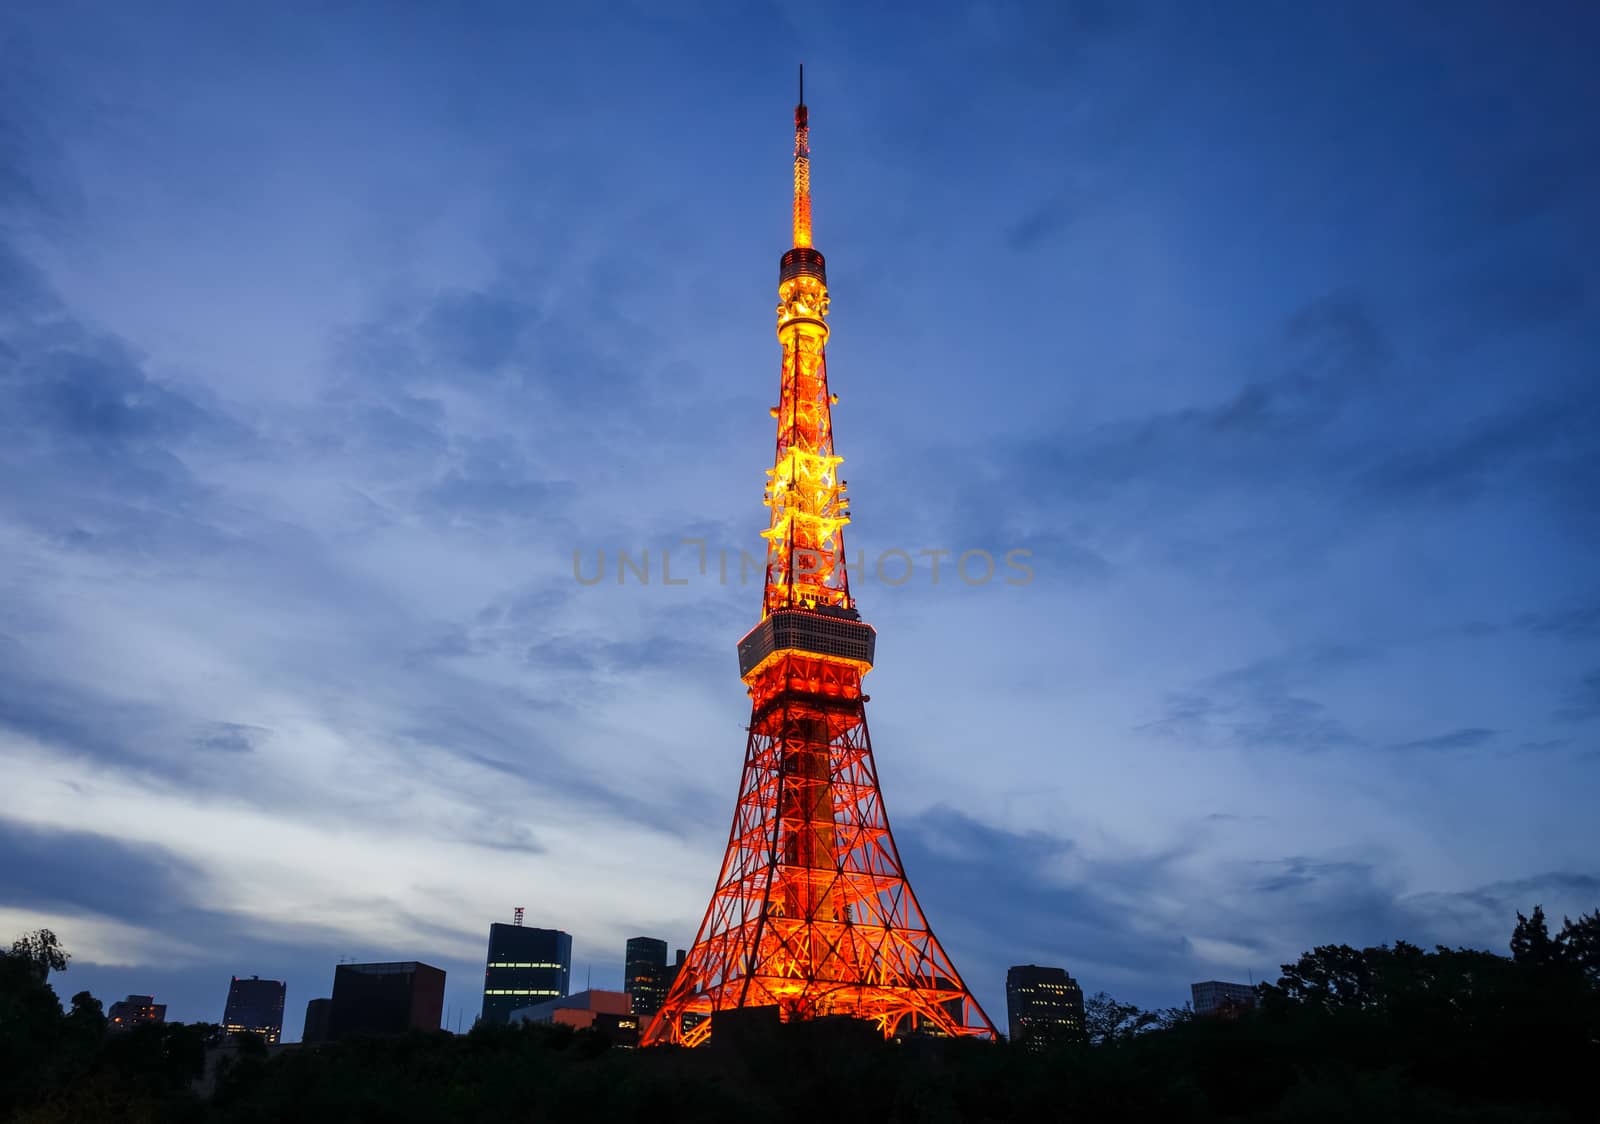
329	333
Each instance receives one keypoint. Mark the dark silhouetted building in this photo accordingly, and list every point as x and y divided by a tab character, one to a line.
1214	997
918	1026
385	998
135	1011
647	974
609	1012
316	1028
524	966
255	1006
1044	1007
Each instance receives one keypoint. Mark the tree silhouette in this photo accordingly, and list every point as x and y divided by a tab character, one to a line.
1580	941
1388	1032
88	1011
1106	1020
1328	977
1531	943
43	950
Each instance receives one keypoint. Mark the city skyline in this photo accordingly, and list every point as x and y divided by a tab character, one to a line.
327	342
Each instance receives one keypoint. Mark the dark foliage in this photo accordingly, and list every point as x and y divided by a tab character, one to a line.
43	950
64	1066
1384	1033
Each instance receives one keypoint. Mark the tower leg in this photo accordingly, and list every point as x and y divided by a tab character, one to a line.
812	913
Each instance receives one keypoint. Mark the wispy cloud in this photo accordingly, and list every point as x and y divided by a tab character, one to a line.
1468	737
1262	705
1123	924
1583	700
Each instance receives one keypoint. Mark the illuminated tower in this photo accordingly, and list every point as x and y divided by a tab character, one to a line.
812	913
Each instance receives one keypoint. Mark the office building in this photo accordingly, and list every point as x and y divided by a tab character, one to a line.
1044	1007
316	1025
385	998
524	966
1215	997
647	974
135	1010
255	1006
610	1012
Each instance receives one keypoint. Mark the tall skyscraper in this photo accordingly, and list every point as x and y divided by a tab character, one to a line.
812	915
524	966
385	998
1216	997
255	1006
135	1010
647	974
1044	1007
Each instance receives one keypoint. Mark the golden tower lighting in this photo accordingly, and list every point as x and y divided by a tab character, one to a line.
812	913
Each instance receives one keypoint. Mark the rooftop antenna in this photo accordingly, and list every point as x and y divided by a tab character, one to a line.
802	168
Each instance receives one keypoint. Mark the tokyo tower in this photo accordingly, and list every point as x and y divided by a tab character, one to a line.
812	913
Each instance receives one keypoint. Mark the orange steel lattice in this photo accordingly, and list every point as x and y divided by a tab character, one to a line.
812	913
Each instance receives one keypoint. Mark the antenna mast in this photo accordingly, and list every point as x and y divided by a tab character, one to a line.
802	168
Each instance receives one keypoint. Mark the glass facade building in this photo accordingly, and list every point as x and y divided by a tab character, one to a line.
525	966
255	1006
647	976
1044	1007
1216	997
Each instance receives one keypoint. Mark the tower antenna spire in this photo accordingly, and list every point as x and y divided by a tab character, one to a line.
802	168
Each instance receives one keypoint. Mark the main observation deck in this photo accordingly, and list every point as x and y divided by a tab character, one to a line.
838	634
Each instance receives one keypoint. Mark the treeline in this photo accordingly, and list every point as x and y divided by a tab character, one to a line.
1376	1034
57	1065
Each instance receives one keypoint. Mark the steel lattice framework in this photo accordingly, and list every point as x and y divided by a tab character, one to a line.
812	912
